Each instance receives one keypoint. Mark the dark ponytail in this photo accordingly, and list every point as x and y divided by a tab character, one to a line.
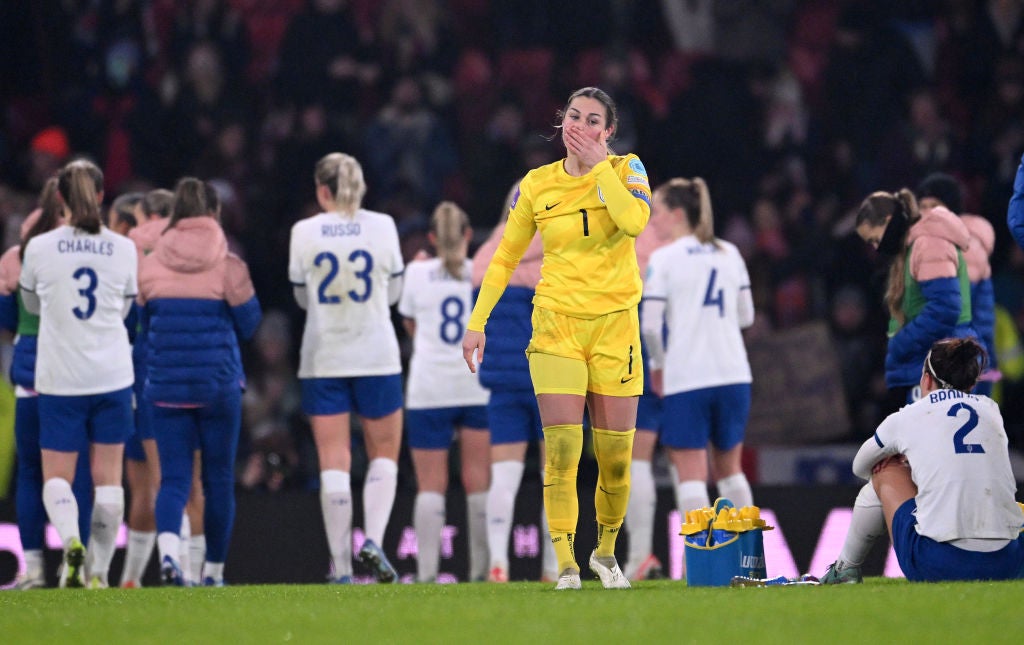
50	213
956	363
80	184
193	198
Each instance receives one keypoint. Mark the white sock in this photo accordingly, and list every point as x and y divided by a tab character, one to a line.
136	556
107	514
33	563
184	557
501	501
736	489
336	506
866	526
196	556
640	511
379	497
428	520
214	570
476	523
691	494
169	546
62	509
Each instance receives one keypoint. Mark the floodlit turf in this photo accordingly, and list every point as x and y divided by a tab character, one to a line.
879	611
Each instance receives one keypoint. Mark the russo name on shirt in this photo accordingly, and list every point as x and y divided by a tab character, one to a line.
340	230
86	245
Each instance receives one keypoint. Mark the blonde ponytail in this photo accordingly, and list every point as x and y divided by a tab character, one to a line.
705	228
449	224
343	175
693	197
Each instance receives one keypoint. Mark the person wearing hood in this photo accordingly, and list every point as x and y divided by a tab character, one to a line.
197	301
142	465
928	293
940	189
929	299
31	514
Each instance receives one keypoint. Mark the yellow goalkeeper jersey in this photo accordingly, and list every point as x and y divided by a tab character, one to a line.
588	226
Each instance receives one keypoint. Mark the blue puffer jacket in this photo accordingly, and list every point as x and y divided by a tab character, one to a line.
199	300
983	317
9	312
508	333
23	361
1015	213
17	320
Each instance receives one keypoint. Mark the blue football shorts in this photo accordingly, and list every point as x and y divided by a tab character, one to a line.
514	417
368	396
922	559
716	414
434	428
100	418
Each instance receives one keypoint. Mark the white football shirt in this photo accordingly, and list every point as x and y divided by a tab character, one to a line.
707	300
440	306
82	282
959	460
345	264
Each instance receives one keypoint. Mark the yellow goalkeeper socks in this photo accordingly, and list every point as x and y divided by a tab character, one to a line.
614	453
563	445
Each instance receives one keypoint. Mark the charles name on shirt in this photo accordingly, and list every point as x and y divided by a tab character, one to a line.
86	245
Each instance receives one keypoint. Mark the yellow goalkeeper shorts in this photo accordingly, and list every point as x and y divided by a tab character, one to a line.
574	356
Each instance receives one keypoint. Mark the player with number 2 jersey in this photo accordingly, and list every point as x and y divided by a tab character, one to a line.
941	469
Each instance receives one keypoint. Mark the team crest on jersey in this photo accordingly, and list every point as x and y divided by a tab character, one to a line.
637	166
600	195
515	199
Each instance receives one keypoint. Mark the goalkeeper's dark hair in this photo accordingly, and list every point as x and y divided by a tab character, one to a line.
611	113
956	363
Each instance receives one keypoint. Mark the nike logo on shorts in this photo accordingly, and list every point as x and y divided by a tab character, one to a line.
547	208
626	380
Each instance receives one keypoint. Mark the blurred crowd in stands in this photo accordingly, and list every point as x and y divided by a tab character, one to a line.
792	110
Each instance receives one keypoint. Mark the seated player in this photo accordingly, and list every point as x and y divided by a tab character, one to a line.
941	469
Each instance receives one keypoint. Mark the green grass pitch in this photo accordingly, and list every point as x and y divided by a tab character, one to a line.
878	611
